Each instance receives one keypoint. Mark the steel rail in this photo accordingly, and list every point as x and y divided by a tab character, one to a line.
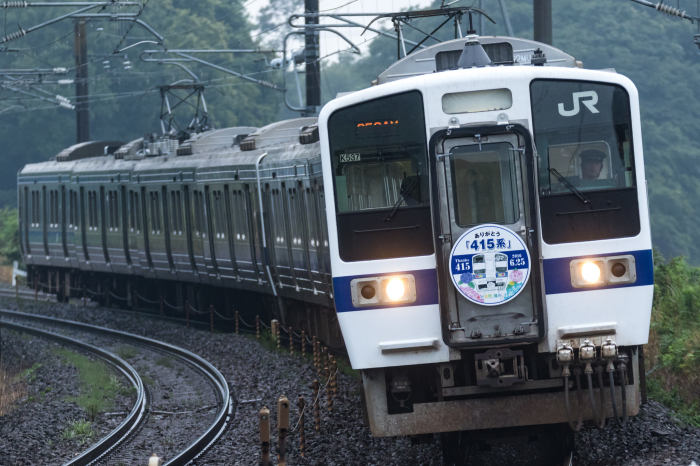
215	377
128	425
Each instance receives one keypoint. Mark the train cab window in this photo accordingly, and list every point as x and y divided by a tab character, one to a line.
379	160
583	133
484	184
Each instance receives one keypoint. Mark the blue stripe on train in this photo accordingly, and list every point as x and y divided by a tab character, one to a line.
557	272
426	290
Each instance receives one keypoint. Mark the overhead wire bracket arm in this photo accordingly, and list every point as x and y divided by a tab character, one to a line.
668	9
225	70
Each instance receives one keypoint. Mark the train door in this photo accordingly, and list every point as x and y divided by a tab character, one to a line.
24	221
148	267
84	215
123	215
189	228
230	223
44	221
103	224
64	225
200	234
242	241
484	223
210	231
172	225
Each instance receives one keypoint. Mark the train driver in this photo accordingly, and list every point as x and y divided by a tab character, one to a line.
591	164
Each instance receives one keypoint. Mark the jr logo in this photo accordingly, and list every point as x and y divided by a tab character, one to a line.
591	99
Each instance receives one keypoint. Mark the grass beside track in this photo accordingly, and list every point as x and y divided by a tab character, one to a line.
99	386
673	352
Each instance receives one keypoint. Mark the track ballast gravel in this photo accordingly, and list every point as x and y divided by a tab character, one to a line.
655	437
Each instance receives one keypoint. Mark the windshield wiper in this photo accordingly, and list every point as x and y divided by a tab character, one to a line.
404	193
571	187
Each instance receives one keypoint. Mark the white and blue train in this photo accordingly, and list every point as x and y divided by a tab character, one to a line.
473	228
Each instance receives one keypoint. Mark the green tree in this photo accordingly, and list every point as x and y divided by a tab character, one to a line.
9	237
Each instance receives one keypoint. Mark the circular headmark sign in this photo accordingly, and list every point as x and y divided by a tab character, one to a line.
489	265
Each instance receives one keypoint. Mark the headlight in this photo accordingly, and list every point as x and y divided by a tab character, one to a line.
383	290
395	289
611	270
590	272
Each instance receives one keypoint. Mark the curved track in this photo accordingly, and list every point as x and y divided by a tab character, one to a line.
134	418
216	379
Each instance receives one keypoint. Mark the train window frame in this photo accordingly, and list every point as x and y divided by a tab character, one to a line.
363	234
585	209
511	213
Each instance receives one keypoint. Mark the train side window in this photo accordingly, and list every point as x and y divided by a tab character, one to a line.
173	213
178	205
199	210
91	221
71	212
132	213
137	211
96	207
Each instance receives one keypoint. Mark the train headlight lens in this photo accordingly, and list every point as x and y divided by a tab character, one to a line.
384	290
618	269
368	292
590	272
395	289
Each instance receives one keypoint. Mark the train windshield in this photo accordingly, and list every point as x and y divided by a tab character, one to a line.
587	187
583	133
379	155
380	177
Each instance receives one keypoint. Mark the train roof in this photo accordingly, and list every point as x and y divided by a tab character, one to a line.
501	50
236	146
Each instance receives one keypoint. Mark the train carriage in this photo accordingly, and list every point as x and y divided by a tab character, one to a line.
460	165
482	207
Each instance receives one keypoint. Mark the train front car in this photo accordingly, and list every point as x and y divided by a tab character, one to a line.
489	239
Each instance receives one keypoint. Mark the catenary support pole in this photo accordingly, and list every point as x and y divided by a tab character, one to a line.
313	66
82	106
542	12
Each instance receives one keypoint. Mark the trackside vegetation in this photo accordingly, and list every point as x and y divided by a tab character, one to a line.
673	352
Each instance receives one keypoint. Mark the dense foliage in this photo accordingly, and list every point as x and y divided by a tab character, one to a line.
674	346
36	135
9	237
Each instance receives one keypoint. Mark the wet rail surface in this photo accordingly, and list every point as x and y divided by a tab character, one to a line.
174	389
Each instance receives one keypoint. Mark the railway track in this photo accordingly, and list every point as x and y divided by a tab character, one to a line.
111	449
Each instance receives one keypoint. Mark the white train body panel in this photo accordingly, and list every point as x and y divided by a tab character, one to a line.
626	309
440	325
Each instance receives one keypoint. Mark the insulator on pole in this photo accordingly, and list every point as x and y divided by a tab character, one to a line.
14	35
669	10
14	5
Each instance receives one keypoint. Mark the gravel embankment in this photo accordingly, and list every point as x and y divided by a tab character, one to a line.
33	432
653	438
